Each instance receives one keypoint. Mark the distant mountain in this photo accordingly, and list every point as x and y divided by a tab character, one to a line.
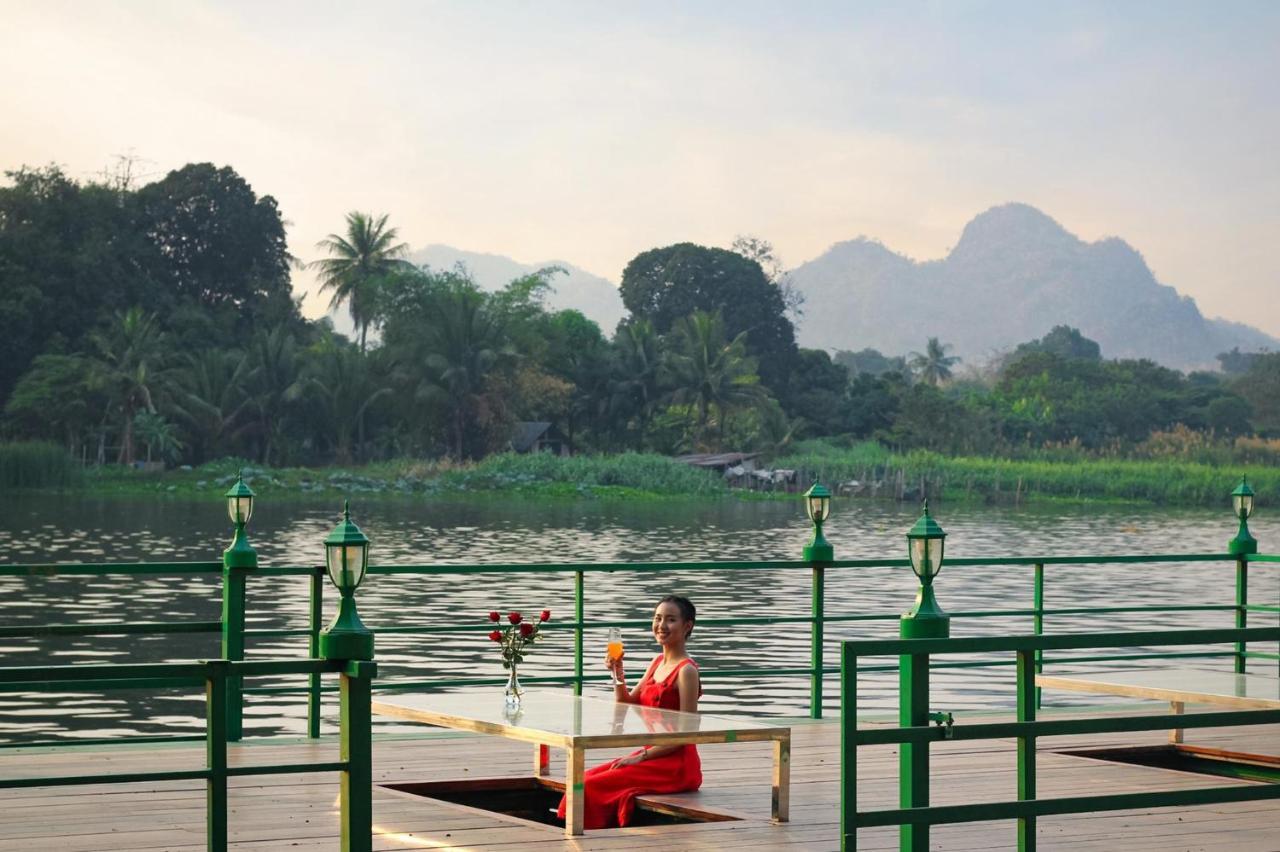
1014	275
594	296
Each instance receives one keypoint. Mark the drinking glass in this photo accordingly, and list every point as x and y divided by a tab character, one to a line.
613	651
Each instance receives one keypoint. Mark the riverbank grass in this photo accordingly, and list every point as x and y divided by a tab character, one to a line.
37	464
995	480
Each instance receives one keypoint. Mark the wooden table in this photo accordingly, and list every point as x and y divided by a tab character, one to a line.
1177	686
577	724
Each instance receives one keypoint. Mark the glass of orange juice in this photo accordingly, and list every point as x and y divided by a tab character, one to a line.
613	650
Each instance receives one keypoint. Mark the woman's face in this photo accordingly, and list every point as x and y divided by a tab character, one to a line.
669	626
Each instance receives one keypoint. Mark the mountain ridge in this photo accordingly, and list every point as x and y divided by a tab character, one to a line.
1014	273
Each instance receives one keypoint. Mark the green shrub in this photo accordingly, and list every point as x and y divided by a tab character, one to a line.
640	471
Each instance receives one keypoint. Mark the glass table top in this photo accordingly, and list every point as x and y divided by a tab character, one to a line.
555	712
1180	681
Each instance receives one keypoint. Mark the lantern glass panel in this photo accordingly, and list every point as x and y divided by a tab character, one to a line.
240	509
819	508
926	557
1243	504
350	574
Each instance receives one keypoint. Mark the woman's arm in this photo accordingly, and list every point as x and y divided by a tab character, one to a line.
624	694
689	685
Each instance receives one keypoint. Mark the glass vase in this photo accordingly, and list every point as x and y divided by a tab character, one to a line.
513	692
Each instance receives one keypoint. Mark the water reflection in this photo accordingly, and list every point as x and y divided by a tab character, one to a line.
70	529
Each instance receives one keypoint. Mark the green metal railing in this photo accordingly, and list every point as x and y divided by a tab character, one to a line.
915	815
355	765
254	581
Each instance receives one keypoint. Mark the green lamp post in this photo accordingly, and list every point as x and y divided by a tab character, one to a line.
346	558
1242	502
925	542
238	561
240	507
817	505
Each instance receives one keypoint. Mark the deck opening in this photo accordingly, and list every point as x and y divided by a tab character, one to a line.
1242	766
535	799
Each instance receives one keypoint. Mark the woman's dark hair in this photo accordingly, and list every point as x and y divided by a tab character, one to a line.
687	610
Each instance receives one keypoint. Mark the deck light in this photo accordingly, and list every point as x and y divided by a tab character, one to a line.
346	559
817	505
240	507
925	542
1242	502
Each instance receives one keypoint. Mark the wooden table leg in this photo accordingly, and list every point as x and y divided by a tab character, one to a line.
781	810
1175	734
541	760
574	792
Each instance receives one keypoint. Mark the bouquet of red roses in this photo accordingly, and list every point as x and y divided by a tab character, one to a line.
516	634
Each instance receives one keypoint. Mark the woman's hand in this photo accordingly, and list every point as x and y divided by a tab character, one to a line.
614	665
629	759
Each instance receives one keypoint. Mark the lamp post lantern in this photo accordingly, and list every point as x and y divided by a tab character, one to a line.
925	543
817	505
1242	503
240	508
346	558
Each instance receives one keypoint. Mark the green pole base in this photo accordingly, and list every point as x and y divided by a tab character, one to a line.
346	645
1238	546
930	627
818	553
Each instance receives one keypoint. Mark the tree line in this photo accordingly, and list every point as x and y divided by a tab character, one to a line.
157	322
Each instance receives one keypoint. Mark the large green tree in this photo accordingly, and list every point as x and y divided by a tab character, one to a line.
218	244
665	285
361	262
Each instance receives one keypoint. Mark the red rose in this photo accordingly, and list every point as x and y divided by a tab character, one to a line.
513	617
495	636
526	630
546	615
494	616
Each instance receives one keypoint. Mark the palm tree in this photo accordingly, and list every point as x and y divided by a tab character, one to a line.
359	264
459	342
275	383
934	366
212	400
705	371
633	389
344	383
128	363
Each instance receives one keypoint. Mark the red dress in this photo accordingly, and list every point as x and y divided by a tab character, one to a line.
610	792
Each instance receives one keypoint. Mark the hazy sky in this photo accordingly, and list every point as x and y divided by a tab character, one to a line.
592	131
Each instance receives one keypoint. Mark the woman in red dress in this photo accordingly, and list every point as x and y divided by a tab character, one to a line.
671	682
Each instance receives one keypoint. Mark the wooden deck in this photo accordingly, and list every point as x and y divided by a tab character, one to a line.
298	812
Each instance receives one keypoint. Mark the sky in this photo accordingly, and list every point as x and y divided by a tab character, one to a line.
589	132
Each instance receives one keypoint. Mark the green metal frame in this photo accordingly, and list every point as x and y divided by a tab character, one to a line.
817	619
915	816
355	765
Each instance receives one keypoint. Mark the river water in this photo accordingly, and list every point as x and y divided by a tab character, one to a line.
39	529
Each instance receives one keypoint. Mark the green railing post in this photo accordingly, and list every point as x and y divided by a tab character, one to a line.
313	649
579	613
216	735
815	643
1027	694
913	759
1037	603
1242	613
848	750
356	809
233	597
